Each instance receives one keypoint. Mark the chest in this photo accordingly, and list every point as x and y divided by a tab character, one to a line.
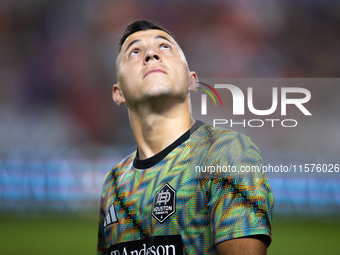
145	205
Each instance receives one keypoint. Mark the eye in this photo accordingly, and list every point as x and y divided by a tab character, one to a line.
134	52
165	46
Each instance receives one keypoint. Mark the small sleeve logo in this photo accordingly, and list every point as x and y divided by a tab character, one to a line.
110	217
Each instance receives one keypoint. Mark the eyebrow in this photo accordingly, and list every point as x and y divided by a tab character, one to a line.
163	37
138	40
134	41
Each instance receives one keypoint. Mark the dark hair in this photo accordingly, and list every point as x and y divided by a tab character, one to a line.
139	25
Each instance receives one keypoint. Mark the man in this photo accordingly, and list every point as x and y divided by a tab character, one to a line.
154	202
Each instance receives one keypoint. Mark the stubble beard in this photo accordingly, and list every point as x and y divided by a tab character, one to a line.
162	98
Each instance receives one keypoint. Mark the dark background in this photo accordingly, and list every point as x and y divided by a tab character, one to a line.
60	131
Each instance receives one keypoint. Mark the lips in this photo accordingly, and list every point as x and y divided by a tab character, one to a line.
154	70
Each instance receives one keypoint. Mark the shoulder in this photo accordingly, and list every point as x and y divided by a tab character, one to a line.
119	170
215	146
219	137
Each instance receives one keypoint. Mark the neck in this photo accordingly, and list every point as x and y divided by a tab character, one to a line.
155	131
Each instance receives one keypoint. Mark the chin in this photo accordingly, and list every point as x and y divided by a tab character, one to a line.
159	91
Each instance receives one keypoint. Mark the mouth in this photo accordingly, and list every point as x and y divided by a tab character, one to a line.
154	70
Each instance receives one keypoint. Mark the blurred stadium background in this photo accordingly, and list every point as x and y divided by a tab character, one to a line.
60	132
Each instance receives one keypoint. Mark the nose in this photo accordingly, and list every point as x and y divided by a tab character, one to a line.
151	55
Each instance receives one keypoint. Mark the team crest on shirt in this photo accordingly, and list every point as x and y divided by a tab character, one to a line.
164	203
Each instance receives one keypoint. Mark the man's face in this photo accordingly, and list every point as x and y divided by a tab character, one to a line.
151	65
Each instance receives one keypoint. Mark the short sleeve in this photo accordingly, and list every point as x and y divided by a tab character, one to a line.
240	205
101	247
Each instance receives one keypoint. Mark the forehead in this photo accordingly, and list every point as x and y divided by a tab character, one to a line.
145	35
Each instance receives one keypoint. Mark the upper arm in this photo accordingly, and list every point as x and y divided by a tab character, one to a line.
240	205
101	249
242	246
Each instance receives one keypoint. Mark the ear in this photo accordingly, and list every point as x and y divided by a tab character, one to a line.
193	82
117	94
